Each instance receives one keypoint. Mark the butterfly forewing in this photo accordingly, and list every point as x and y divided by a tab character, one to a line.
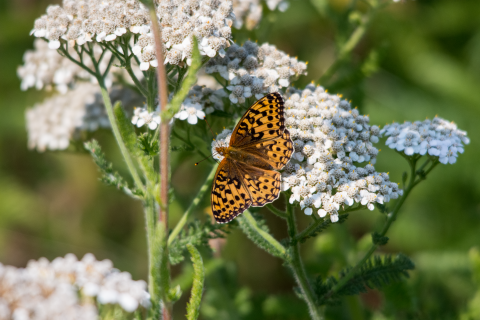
263	121
229	195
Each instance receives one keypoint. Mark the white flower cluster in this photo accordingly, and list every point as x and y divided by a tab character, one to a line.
44	68
79	22
198	99
65	288
250	11
255	70
208	20
438	137
53	123
329	137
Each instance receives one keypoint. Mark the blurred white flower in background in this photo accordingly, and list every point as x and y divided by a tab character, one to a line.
64	289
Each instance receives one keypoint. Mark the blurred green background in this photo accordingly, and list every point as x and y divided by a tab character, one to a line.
417	59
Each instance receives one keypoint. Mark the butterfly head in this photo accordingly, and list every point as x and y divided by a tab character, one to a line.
222	150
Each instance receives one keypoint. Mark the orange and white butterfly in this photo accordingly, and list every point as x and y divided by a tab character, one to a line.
259	145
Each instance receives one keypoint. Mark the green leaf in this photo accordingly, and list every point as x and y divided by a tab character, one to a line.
188	82
128	134
193	306
108	175
378	239
126	128
148	144
197	234
175	294
374	274
258	233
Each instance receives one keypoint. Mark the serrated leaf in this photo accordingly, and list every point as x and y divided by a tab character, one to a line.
375	273
108	175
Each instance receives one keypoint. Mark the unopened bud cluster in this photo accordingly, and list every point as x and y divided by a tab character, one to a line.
438	138
254	70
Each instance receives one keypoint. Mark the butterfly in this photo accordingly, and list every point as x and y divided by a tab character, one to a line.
259	145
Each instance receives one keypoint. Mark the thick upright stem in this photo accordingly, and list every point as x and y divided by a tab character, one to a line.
298	269
164	148
164	126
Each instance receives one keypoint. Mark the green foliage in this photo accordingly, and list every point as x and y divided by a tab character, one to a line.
225	298
375	273
193	306
108	175
318	226
148	143
130	138
196	234
378	239
258	233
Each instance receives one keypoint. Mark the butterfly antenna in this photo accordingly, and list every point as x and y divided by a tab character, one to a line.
204	159
209	126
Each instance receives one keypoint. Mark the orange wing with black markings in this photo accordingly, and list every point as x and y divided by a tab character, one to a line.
260	136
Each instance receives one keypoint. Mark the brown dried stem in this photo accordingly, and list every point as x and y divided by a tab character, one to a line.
164	127
163	140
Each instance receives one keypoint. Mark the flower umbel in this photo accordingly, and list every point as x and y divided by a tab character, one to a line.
438	138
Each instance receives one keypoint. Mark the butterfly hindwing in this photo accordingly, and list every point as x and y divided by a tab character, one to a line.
264	120
263	185
229	195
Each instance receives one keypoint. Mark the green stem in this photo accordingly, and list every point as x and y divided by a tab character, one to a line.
118	136
348	46
193	206
128	67
278	249
296	264
313	226
391	217
280	213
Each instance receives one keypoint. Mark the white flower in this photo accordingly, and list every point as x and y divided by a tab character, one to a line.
142	117
190	112
51	290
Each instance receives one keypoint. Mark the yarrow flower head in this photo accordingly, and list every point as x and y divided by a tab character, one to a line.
65	287
103	21
329	138
438	137
45	68
255	70
209	21
79	22
53	123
